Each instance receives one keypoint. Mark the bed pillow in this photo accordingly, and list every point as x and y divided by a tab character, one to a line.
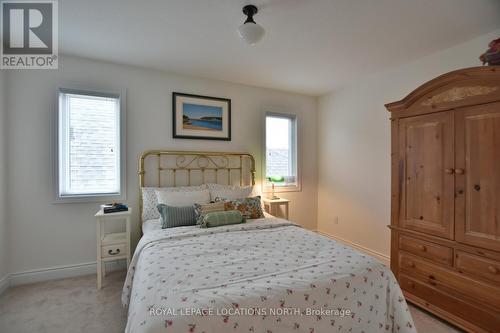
217	219
150	201
202	210
229	192
172	217
250	208
180	199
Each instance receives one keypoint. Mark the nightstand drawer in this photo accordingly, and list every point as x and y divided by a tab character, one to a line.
115	250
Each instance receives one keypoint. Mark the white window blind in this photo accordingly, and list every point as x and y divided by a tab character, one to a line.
89	144
281	149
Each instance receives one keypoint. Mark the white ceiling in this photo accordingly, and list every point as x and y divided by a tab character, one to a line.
310	46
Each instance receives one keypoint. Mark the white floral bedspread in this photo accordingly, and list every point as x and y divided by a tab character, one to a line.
267	275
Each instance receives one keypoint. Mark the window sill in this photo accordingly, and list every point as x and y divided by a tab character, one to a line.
282	189
89	199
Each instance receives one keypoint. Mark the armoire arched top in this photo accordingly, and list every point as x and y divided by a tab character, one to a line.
464	87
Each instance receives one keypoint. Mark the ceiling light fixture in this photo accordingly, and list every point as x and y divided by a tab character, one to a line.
250	31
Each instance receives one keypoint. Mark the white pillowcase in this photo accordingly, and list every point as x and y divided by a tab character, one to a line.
229	192
182	199
150	201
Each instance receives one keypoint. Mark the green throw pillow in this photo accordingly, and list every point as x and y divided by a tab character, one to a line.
172	217
217	219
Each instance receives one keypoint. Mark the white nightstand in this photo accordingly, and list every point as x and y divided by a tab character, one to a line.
111	246
272	206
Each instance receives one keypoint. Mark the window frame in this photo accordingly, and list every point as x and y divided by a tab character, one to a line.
120	94
297	187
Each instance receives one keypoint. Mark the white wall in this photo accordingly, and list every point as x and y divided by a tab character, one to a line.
3	190
44	234
354	145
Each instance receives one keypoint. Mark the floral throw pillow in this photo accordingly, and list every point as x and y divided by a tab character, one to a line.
250	208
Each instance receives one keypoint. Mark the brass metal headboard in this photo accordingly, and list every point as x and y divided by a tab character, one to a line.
186	168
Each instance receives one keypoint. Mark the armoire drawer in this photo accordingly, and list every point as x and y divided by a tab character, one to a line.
431	251
482	268
477	315
448	281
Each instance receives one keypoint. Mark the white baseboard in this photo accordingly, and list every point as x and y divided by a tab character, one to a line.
386	260
54	273
4	283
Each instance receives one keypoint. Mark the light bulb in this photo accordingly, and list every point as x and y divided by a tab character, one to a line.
251	32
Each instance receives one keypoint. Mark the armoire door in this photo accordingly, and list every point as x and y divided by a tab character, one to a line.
427	174
478	176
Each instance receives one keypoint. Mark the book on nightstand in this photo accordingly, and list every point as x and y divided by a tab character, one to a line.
114	208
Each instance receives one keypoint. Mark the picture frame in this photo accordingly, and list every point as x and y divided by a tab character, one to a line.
200	117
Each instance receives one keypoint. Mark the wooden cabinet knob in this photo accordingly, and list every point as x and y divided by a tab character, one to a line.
459	171
422	248
449	171
493	269
411	264
432	280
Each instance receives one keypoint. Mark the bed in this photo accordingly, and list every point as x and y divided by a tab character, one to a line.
265	275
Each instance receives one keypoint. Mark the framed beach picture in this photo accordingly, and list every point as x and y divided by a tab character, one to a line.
201	117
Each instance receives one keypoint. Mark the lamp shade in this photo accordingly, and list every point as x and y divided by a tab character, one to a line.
276	179
251	32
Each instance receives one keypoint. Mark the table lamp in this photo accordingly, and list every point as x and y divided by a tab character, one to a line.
273	180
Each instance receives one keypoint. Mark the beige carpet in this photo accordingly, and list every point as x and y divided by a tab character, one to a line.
69	305
74	305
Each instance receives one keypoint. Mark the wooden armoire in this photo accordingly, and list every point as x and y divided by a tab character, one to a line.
445	220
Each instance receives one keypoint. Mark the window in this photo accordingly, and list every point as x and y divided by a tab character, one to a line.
281	152
89	145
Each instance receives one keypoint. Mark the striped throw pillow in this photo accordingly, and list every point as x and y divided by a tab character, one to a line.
172	217
201	210
217	219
